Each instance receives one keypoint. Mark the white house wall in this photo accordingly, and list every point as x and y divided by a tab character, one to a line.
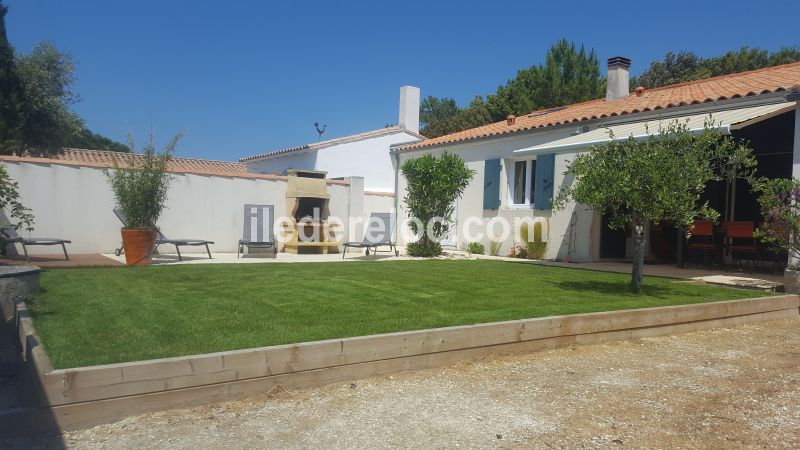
76	203
471	202
368	158
305	159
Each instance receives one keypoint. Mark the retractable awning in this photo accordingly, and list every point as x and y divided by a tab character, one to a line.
725	121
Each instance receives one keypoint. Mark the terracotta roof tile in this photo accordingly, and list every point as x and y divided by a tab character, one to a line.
105	159
100	158
743	84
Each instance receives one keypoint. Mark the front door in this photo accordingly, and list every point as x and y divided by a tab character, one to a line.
612	242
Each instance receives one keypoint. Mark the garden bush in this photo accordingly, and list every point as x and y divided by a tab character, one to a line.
476	248
434	185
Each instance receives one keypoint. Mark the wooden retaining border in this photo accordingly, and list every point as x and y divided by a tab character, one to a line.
87	396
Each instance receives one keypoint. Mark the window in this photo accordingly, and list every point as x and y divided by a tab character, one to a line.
523	182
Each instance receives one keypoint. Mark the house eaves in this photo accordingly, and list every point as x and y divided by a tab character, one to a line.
332	142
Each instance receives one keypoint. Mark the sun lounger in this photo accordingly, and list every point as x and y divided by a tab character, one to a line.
161	239
379	233
257	232
10	236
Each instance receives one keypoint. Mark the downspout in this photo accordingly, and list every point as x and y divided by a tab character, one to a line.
396	194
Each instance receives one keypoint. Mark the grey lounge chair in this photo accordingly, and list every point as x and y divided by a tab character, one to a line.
10	236
161	239
257	231
379	233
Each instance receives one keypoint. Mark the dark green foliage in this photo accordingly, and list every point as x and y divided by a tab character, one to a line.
476	248
570	74
35	101
92	316
11	94
47	76
661	177
140	186
780	206
433	185
86	139
687	66
424	250
22	217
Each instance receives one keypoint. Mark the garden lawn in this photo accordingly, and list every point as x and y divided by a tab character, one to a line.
88	316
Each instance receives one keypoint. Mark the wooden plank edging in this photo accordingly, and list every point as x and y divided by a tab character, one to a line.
86	384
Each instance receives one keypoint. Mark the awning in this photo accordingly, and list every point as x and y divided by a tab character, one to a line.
725	121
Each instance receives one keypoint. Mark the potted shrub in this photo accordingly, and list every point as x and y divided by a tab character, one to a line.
780	228
140	188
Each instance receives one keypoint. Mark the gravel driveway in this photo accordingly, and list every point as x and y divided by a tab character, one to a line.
724	388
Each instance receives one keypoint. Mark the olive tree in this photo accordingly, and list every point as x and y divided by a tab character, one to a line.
639	181
434	184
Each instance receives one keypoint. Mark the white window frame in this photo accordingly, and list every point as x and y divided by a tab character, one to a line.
512	175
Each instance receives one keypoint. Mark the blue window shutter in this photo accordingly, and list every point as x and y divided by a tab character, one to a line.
491	184
545	179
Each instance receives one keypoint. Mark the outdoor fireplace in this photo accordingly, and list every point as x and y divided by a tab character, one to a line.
308	202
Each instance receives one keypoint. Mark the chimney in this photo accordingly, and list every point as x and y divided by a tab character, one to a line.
409	108
618	78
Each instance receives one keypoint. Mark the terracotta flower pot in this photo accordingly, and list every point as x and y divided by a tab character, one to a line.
138	245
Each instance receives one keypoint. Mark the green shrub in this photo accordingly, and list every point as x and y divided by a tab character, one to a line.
476	248
428	250
535	247
434	185
494	247
780	207
19	216
140	187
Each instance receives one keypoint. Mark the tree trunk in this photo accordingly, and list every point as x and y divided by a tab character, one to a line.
639	240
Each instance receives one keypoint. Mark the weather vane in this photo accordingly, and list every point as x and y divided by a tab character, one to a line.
320	131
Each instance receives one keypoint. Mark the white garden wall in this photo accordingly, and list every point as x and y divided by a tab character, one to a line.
75	202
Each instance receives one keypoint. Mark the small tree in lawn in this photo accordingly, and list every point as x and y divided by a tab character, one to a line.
661	177
434	184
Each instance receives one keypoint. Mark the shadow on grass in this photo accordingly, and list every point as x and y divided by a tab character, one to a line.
613	288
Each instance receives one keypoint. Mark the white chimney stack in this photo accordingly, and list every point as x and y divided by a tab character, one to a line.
618	78
409	108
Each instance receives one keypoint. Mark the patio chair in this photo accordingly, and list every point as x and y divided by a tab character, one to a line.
740	243
258	232
161	239
10	236
702	240
379	233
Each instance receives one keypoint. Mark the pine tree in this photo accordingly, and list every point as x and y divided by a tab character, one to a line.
11	94
569	75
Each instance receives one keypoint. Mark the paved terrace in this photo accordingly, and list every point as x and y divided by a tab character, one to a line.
726	276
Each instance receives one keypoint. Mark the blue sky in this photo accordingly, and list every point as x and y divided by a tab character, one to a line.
244	77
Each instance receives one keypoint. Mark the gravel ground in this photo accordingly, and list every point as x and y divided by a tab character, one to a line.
734	387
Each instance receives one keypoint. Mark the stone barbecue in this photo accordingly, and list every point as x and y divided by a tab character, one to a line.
308	206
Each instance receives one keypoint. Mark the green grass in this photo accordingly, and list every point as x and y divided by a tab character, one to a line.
89	316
